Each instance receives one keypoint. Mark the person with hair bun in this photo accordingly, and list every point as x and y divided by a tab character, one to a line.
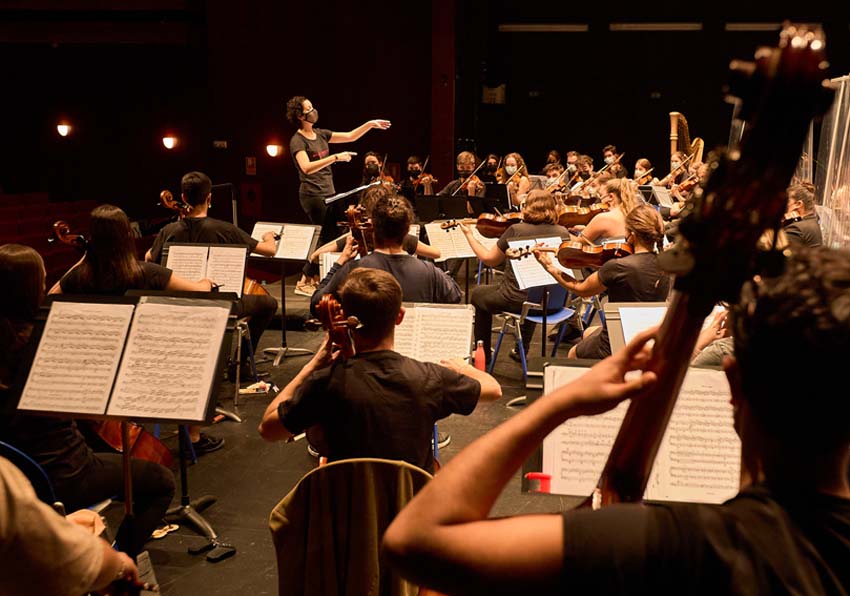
634	278
619	195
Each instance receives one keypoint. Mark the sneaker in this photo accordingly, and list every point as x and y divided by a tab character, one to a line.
312	450
443	440
207	444
307	289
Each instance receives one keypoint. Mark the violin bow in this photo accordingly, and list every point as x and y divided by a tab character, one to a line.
475	171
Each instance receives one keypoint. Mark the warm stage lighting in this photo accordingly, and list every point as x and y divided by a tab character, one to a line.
63	129
169	142
274	150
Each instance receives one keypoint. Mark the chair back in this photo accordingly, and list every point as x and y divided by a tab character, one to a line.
557	296
327	531
32	470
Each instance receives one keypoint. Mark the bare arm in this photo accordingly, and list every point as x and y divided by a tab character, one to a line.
427	251
490	388
489	256
589	286
353	135
181	284
443	538
311	167
271	428
268	246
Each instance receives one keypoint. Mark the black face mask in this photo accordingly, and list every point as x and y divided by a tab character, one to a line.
312	117
372	169
414	172
490	167
464	173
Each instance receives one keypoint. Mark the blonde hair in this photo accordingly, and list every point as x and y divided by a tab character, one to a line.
466	157
625	193
540	208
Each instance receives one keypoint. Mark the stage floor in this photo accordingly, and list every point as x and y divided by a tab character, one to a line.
249	476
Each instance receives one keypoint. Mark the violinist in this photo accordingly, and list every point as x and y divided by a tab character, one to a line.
609	154
376	403
553	172
618	170
553	157
584	166
540	218
515	176
309	149
633	278
678	171
642	166
618	194
417	182
79	476
789	528
465	183
199	227
489	174
371	167
805	228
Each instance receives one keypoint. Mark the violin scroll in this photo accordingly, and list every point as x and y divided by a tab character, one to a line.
166	199
62	233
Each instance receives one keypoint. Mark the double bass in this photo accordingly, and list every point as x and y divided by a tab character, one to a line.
780	93
142	444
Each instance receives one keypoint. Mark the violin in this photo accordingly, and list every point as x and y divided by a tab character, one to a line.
668	179
487	224
578	255
646	178
425	179
790	218
471	179
688	184
576	215
332	319
360	228
781	91
166	199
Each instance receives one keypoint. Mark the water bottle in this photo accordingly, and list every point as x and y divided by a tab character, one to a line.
478	359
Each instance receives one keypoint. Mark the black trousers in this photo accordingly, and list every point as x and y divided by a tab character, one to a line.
261	309
319	215
153	489
488	301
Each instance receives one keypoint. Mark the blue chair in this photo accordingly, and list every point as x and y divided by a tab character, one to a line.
557	314
32	470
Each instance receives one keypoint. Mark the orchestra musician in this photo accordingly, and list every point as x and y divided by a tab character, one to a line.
420	281
540	219
553	172
633	278
677	174
79	477
642	166
609	154
465	164
584	165
806	231
489	174
553	157
377	403
196	189
412	185
372	169
515	175
787	530
309	148
618	194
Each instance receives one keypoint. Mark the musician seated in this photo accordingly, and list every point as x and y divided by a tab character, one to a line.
198	227
539	221
377	403
44	553
552	158
806	231
371	168
787	532
411	244
79	477
553	173
516	178
619	196
609	154
584	164
489	172
633	278
410	188
420	281
465	163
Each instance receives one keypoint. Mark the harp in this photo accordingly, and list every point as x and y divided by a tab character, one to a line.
680	139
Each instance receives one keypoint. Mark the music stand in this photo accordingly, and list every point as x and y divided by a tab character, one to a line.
231	190
286	257
496	198
453	207
427	207
661	196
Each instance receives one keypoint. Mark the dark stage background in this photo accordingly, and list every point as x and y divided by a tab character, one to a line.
126	72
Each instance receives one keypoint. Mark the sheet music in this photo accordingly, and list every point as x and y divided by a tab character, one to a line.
413	230
295	242
431	333
699	457
77	358
189	262
260	229
487	242
528	271
451	242
326	261
637	319
226	267
169	362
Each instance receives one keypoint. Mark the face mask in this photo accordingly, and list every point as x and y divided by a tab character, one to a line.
549	182
639	173
609	160
464	172
313	116
414	172
584	175
372	169
674	165
510	170
571	168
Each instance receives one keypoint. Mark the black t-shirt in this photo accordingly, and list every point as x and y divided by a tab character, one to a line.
420	281
207	230
450	188
509	286
317	184
408	191
635	278
409	244
154	277
380	404
806	231
757	543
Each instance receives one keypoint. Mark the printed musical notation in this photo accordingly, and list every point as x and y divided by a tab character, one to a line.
157	381
296	240
77	357
699	457
189	262
452	243
528	271
432	332
224	265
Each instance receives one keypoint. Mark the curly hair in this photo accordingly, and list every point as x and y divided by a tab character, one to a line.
804	312
391	218
295	108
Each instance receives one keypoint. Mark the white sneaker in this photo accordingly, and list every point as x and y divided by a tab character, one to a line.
307	289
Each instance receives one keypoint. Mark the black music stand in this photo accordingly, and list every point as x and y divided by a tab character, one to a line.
284	350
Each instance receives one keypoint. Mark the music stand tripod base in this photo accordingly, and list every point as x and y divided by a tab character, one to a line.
283	352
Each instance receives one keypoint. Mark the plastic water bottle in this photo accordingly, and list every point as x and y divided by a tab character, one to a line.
478	359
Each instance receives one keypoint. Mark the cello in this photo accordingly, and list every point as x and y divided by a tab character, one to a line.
780	92
332	319
143	445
